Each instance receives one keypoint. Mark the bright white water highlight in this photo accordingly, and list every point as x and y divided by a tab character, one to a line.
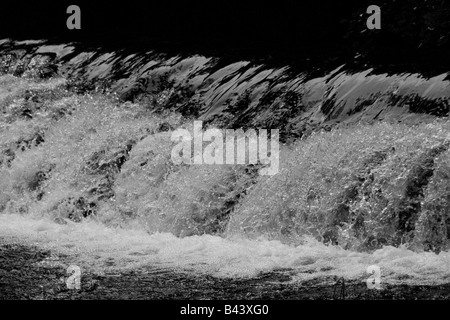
91	244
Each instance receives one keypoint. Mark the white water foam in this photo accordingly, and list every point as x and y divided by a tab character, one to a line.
98	248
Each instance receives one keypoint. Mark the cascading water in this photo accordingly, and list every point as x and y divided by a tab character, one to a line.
86	160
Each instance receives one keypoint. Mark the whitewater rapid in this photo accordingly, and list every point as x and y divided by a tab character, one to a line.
67	156
101	249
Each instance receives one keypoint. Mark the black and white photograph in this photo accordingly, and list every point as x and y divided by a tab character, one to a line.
225	155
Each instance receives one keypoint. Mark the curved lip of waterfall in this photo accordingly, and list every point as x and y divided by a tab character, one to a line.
368	81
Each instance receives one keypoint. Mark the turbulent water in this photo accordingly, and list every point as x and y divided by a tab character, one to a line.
85	165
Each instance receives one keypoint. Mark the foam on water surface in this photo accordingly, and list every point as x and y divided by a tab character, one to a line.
101	249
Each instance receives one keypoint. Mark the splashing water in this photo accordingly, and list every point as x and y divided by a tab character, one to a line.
95	246
91	175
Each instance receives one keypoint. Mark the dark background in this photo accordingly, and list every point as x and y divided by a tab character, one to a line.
414	32
238	23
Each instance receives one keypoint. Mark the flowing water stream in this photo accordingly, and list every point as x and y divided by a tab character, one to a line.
86	167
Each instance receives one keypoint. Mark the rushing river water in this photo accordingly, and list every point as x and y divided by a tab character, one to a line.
86	167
